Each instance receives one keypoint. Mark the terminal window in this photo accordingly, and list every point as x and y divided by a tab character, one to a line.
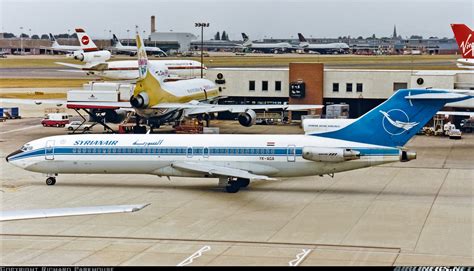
252	85
359	87
277	85
349	87
399	85
264	85
335	87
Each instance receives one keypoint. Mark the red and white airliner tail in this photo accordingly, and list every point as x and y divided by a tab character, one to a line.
465	39
86	42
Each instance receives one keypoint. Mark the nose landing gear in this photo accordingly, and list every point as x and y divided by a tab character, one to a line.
51	181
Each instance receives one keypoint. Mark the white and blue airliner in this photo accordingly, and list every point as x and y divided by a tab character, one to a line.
375	138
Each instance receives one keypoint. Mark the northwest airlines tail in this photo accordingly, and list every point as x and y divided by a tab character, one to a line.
465	39
116	42
85	41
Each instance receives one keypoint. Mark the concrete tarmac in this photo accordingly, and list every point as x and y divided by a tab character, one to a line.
414	213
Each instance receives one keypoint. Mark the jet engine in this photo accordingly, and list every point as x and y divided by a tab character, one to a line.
110	116
88	57
247	118
329	154
140	101
115	116
406	156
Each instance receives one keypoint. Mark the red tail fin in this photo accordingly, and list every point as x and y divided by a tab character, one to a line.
465	39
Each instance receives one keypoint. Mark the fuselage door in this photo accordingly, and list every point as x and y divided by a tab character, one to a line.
291	153
49	150
205	152
189	152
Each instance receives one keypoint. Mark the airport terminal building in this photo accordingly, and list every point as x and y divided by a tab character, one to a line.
310	83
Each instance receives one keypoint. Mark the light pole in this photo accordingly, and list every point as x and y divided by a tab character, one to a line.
128	37
21	40
202	25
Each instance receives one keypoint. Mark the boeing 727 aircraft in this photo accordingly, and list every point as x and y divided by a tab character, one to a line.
375	138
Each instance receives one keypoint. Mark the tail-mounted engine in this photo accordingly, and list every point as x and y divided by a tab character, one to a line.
329	154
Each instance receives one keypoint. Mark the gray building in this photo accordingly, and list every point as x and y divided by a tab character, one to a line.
182	38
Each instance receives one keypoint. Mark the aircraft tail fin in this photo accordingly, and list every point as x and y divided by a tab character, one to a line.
115	41
301	38
465	39
85	41
53	39
246	39
148	88
399	118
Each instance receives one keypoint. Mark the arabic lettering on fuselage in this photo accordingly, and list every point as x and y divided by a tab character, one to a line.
148	143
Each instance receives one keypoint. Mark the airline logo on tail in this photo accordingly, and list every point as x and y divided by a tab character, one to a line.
85	40
465	39
142	58
396	127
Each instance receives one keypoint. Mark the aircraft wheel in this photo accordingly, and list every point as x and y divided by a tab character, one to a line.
232	187
51	181
243	182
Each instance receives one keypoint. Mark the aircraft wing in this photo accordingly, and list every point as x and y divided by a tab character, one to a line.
456	113
93	66
102	105
31	101
72	105
60	212
193	108
219	170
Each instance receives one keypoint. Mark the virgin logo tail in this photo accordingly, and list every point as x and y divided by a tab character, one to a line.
465	39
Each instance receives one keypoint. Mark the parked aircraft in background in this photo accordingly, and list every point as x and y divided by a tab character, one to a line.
280	47
128	69
322	48
373	139
86	52
61	48
465	39
159	101
132	50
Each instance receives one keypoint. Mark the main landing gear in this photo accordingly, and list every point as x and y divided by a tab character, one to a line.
234	184
51	180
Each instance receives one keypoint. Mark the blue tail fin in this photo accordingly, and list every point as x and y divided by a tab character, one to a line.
398	119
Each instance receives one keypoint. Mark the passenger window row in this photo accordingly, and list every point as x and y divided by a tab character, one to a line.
195	151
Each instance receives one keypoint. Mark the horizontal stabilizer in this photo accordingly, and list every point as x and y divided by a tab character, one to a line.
60	212
437	96
219	171
32	102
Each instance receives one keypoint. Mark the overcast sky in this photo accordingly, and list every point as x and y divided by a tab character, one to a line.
258	18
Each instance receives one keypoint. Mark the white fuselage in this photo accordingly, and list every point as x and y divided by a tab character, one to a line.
270	155
324	125
128	69
466	63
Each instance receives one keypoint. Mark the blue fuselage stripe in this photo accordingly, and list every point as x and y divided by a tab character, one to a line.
184	151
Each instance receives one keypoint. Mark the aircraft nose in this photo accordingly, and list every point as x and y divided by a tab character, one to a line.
12	154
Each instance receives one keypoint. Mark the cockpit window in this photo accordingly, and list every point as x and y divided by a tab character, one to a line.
26	147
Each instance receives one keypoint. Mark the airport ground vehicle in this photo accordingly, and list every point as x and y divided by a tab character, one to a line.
55	120
467	125
73	125
454	134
